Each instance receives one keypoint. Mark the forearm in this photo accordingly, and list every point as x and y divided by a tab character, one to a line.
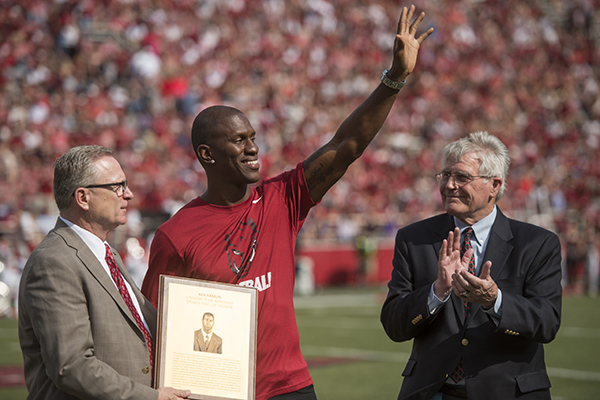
361	127
535	318
534	309
93	379
405	312
328	164
405	315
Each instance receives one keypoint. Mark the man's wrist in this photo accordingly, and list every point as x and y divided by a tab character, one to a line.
439	292
391	83
492	301
490	305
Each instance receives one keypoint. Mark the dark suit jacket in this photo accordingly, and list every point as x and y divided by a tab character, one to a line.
214	346
78	337
501	362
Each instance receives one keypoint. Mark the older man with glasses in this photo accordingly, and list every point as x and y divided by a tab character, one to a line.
478	293
85	329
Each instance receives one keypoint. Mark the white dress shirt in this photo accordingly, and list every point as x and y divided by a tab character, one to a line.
96	245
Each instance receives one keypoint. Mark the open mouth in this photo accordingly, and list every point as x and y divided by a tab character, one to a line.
252	164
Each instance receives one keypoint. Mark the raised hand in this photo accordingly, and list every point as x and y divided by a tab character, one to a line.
406	45
449	262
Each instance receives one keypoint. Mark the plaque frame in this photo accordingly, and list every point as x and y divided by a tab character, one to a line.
180	362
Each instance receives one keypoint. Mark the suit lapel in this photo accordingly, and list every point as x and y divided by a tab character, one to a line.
92	264
497	251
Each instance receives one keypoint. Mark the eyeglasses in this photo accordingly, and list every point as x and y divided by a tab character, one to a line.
118	187
460	178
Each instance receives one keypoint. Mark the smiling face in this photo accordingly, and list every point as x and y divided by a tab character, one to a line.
234	150
107	209
474	200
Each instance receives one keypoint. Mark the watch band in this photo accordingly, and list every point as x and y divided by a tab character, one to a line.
391	83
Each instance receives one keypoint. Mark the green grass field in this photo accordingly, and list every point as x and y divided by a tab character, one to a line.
351	358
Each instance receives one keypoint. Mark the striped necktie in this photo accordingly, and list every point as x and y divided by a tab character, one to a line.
120	282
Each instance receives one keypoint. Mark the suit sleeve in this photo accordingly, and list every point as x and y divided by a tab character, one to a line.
54	296
531	303
220	346
405	313
198	340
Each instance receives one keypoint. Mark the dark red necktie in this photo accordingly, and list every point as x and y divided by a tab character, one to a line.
466	245
459	372
118	278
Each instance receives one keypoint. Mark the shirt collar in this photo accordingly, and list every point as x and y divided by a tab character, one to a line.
481	228
95	244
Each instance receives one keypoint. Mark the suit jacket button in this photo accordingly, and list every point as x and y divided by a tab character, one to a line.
464	342
145	370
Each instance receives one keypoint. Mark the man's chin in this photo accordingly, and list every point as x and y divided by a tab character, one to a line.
453	210
254	178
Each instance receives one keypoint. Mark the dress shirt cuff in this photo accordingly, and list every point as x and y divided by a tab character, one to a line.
434	303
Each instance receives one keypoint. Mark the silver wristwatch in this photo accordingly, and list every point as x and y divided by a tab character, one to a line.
391	83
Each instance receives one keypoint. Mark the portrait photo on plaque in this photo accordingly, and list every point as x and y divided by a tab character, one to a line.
206	338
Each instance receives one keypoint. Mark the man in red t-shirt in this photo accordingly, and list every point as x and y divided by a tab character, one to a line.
246	235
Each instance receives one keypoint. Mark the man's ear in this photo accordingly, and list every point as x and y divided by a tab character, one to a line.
82	198
496	185
204	154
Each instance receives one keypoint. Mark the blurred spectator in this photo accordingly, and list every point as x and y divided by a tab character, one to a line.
366	252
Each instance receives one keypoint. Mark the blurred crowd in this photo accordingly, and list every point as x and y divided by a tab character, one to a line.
132	74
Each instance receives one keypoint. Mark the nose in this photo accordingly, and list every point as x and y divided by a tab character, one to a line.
448	183
251	147
128	195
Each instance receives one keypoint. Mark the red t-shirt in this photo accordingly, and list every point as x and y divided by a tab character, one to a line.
249	244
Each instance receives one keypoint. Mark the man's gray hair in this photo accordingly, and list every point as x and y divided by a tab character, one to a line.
76	169
492	154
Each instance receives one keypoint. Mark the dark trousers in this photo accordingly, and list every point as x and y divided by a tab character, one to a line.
307	393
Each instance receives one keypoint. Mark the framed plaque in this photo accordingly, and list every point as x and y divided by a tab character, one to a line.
206	338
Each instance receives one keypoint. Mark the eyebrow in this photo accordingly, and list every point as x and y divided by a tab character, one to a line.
456	172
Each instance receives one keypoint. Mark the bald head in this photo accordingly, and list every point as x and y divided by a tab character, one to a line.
208	124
